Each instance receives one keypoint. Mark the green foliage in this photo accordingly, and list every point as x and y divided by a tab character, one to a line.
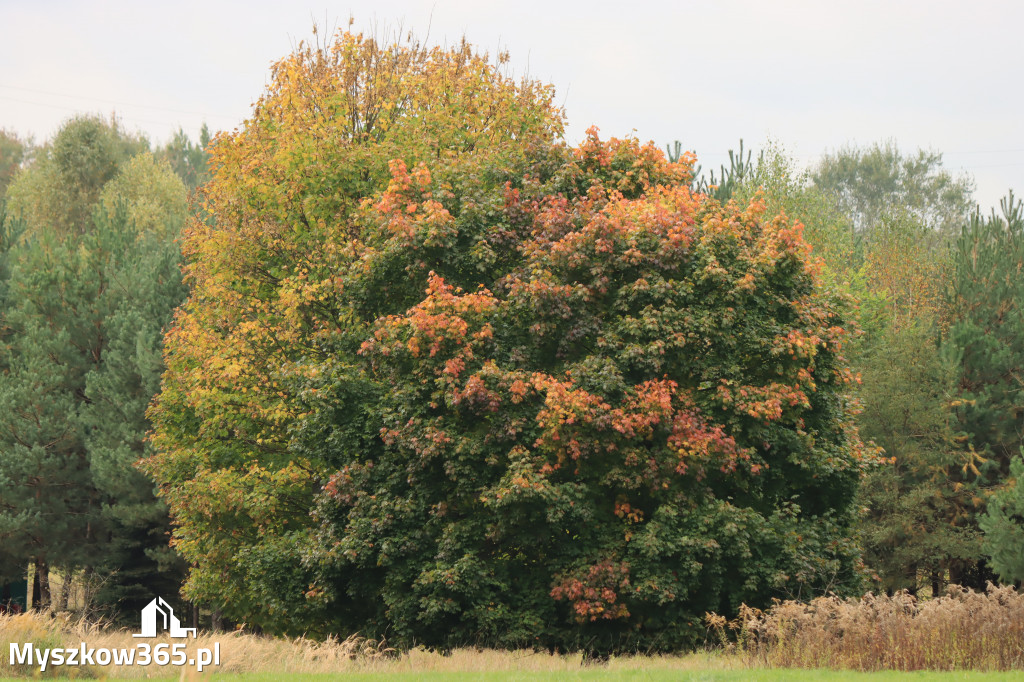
986	337
152	196
442	378
83	315
917	521
870	183
188	160
1003	525
12	154
741	171
917	511
58	192
826	227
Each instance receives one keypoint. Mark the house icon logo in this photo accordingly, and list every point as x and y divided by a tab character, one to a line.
159	614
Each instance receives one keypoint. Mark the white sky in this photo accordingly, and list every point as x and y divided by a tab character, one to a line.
811	75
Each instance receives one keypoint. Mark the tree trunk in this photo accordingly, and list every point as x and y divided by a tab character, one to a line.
36	596
215	620
64	596
43	571
40	585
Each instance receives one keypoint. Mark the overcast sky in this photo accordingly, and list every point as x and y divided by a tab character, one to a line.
813	76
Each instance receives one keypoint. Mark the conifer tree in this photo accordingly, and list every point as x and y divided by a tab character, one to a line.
84	310
986	342
986	338
1003	524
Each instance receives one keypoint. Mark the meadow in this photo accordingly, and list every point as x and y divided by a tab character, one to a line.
963	635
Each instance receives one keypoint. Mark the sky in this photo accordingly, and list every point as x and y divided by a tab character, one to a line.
810	76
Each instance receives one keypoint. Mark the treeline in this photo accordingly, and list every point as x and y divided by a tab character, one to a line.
433	372
90	273
937	290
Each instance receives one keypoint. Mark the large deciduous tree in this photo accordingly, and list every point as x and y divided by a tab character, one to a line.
879	180
444	378
69	173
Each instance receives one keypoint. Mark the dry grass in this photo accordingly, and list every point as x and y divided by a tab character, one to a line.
243	653
963	630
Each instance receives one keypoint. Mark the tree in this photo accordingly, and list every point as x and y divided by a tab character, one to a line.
187	159
12	154
1003	525
879	180
986	337
827	227
986	344
443	377
274	295
83	317
151	195
917	511
918	520
69	173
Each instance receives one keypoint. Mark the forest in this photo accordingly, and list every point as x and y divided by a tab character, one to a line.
395	358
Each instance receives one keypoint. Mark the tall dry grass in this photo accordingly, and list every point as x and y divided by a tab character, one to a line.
961	630
243	653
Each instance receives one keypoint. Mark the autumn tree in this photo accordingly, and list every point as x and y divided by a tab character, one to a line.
442	377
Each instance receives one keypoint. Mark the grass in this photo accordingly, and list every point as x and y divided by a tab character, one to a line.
963	630
655	675
962	636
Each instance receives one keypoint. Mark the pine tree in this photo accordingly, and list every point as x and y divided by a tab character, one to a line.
986	338
986	341
1003	524
84	308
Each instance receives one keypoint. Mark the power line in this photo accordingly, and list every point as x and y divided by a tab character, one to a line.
77	109
106	101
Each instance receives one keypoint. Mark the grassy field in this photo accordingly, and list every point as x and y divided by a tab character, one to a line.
643	672
962	636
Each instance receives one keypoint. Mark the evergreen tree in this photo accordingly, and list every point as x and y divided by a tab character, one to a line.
187	159
1003	524
987	337
986	343
49	508
84	312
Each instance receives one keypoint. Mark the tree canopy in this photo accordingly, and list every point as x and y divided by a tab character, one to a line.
442	376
